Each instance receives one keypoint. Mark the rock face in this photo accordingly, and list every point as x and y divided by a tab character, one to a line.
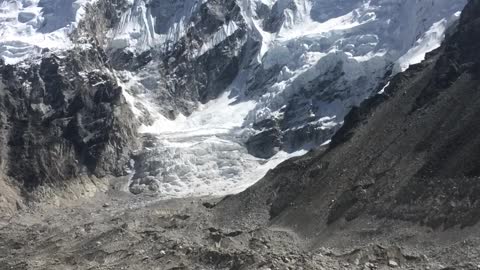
62	118
410	154
304	63
190	55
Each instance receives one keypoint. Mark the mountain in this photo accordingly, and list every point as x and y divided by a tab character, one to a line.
404	158
192	97
141	115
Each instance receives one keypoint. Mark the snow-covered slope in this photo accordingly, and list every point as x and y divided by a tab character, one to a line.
311	62
29	26
331	56
226	89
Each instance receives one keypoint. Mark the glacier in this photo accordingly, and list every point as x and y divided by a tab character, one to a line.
227	90
204	153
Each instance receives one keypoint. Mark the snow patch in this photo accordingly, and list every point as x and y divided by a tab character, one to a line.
218	116
431	40
136	30
381	92
28	27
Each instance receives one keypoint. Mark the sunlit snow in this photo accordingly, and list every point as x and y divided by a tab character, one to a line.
203	154
431	40
26	28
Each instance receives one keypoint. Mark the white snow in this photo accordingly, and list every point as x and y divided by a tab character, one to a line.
381	92
225	31
219	116
25	29
431	40
136	30
308	27
367	38
203	154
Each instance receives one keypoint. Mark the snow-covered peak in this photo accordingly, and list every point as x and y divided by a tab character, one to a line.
304	38
150	23
373	25
303	65
29	26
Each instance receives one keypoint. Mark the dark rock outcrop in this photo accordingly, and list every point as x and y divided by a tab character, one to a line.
63	118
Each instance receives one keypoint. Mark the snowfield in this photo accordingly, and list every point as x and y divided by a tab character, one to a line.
29	26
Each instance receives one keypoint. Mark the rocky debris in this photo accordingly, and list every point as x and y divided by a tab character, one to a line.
392	263
373	256
401	175
132	235
209	205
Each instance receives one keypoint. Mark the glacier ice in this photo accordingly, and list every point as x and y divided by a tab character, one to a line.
202	154
367	36
428	42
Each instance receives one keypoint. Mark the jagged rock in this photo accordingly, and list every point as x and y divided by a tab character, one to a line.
59	125
265	144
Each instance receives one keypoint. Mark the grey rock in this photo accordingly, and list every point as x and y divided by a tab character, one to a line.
265	144
58	125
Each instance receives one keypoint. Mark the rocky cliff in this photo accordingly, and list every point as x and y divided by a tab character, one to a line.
63	118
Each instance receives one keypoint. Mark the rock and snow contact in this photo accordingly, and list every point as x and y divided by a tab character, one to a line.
297	67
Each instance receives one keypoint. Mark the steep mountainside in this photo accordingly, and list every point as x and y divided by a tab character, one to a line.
247	81
135	91
409	154
219	92
62	119
224	87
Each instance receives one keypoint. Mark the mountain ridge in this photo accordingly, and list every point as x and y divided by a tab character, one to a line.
397	187
251	82
408	154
